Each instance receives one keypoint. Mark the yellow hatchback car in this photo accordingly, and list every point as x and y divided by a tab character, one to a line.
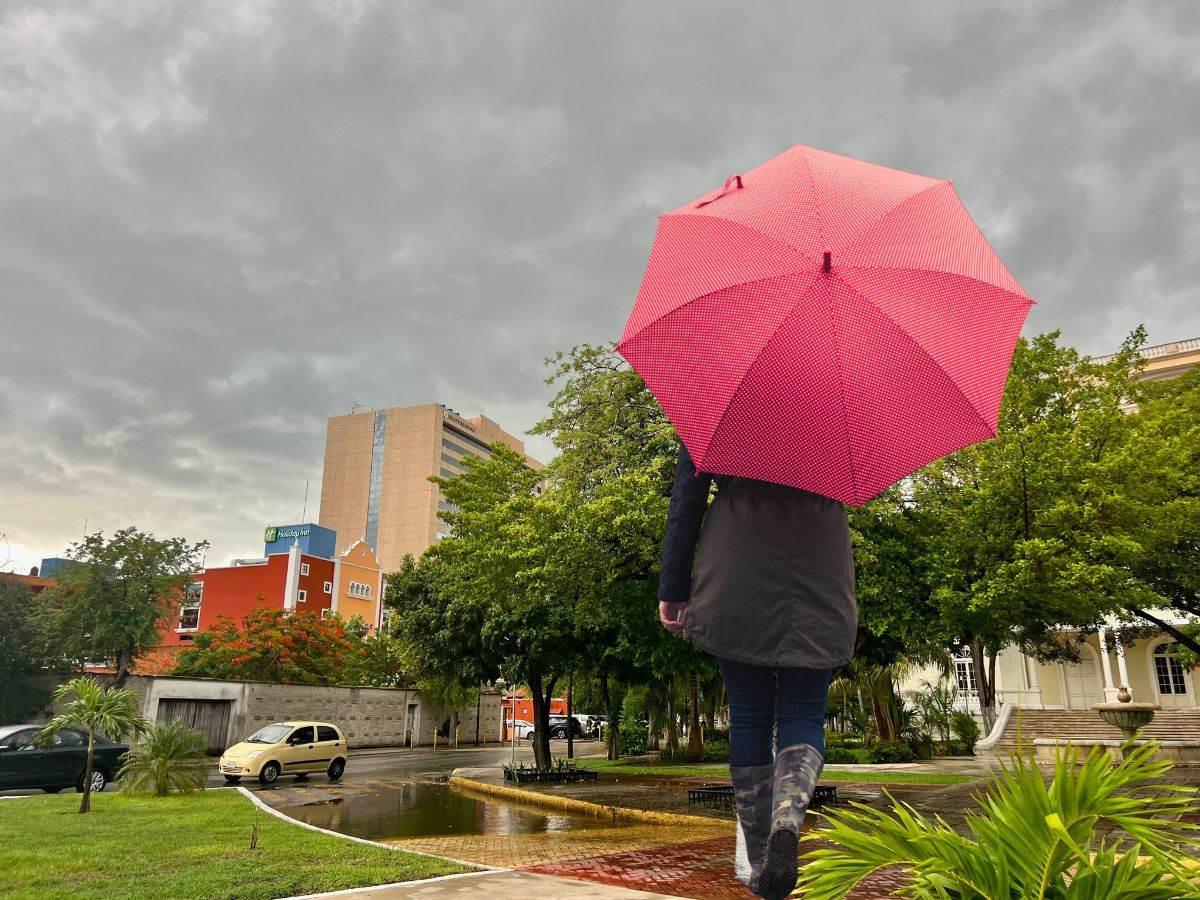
287	748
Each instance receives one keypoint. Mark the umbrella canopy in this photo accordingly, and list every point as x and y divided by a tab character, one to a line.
825	323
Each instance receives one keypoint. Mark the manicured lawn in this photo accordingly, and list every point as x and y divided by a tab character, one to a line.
882	777
197	846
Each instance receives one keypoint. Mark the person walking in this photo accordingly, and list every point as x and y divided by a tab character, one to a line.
763	579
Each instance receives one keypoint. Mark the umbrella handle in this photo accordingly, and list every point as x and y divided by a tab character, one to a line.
734	180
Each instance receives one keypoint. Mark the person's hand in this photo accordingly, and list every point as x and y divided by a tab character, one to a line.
671	615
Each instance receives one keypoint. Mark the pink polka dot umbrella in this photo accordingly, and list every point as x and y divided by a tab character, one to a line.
825	323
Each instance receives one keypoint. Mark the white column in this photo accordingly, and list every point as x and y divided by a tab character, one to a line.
291	583
1121	669
337	584
1035	689
1110	690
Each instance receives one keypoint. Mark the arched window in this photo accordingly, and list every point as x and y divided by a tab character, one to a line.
1168	671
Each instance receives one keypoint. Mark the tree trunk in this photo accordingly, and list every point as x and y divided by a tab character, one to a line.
85	804
452	737
695	749
985	684
606	702
570	719
541	722
672	721
124	663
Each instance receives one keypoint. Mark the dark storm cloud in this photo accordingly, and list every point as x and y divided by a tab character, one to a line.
221	223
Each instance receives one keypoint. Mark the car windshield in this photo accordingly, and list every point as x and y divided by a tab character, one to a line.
272	734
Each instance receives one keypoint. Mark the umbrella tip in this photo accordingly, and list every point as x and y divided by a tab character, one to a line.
827	263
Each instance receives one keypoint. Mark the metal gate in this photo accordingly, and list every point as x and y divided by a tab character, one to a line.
209	717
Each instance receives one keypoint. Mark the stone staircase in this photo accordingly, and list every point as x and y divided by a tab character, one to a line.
1024	726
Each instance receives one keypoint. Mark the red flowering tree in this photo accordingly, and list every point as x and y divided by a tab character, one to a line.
272	645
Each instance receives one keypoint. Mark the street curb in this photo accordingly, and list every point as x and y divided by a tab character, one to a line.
570	804
477	867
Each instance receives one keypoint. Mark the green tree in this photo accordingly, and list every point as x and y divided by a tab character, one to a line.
274	645
109	605
111	711
1053	523
492	598
169	757
22	651
614	471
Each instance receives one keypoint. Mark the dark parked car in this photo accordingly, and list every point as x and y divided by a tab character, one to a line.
558	727
60	765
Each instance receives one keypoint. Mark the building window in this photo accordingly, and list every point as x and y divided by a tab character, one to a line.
303	596
385	620
358	589
303	568
375	487
189	616
329	587
461	451
964	672
193	593
468	439
446	473
447	458
326	613
1168	671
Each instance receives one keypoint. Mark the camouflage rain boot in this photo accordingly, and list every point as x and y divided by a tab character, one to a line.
796	771
752	787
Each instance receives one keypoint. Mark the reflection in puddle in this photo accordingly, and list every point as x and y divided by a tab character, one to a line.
421	810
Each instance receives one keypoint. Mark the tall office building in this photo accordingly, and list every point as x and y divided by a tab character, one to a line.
377	465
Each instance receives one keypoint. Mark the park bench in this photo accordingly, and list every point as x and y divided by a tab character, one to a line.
721	796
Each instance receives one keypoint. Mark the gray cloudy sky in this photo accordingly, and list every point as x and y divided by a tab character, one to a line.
222	222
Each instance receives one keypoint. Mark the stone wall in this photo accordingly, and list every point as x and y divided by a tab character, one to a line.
370	717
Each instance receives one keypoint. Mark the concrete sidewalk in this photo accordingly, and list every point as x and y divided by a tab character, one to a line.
493	885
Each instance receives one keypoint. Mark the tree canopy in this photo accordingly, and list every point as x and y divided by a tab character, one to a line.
109	603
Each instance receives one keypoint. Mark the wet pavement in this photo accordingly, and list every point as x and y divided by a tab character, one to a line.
690	860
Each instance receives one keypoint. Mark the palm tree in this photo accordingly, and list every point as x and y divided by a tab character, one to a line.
1096	830
113	711
170	757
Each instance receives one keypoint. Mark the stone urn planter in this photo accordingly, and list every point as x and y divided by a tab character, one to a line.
1126	715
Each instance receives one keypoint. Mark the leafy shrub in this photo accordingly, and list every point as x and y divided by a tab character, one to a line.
890	752
952	748
169	758
714	751
921	745
836	755
631	739
965	728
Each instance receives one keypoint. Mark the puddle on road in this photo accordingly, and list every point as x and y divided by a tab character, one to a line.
426	810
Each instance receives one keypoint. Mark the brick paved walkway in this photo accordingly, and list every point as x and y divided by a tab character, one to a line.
699	869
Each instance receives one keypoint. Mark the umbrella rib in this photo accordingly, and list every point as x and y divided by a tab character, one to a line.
762	353
1023	297
735	284
862	235
936	365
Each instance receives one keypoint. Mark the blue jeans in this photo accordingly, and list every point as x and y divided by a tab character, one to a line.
795	712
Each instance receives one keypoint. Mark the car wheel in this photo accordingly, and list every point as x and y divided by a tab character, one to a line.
269	773
99	781
232	779
336	769
558	733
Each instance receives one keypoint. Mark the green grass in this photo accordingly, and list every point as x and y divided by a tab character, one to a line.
197	846
622	767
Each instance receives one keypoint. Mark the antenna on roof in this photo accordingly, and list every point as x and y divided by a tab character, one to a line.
356	406
304	512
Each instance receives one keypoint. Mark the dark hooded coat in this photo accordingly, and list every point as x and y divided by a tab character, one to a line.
767	570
